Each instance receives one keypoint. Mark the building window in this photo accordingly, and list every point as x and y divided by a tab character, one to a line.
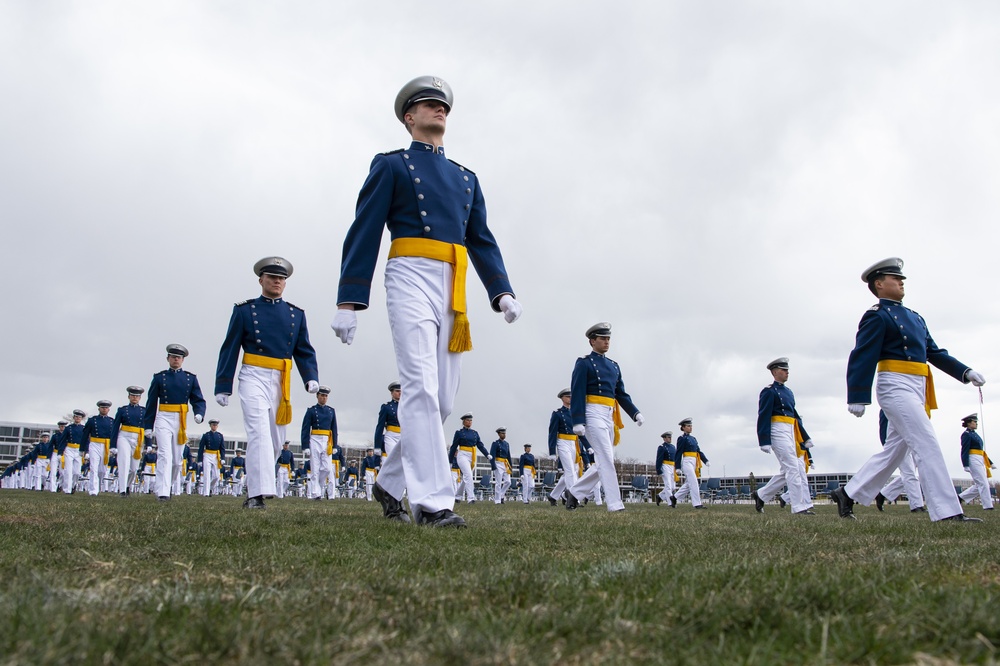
9	434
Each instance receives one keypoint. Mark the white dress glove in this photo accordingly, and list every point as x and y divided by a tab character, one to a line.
808	444
580	430
966	469
857	410
510	308
489	457
639	420
344	323
311	386
148	434
198	418
222	399
334	452
976	378
766	448
590	452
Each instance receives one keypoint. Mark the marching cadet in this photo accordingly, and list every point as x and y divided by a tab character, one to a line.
894	341
284	467
58	448
436	215
211	456
597	395
526	465
500	464
690	457
907	480
186	455
237	469
271	332
665	453
780	431
97	442
45	462
148	469
74	443
319	438
976	463
166	416
351	474
336	465
369	471
112	479
32	467
805	459
191	473
128	436
463	448
387	430
565	445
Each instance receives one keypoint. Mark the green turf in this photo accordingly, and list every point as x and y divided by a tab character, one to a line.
197	580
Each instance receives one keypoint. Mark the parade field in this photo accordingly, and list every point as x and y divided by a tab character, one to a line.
196	580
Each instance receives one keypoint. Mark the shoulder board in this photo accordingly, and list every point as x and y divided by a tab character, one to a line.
293	305
392	152
463	166
874	308
242	302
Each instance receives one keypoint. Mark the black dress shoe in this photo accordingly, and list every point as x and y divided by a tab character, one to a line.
392	508
758	502
123	494
880	502
805	512
962	518
586	500
254	503
163	499
701	506
551	499
658	500
845	505
442	518
571	501
673	502
782	503
987	509
919	509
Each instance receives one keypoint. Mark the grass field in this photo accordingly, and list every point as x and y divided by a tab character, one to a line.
197	580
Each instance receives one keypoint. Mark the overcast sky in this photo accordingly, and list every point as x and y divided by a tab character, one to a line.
711	178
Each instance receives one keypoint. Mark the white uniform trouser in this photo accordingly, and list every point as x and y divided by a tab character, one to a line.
95	453
567	451
464	459
321	464
793	471
169	454
690	487
209	472
148	478
238	485
369	483
418	299
127	465
600	434
906	481
980	485
53	472
71	468
669	484
260	393
281	481
456	484
390	440
332	485
527	487
901	397
41	472
190	482
501	481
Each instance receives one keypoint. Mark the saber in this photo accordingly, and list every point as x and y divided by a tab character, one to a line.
982	421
